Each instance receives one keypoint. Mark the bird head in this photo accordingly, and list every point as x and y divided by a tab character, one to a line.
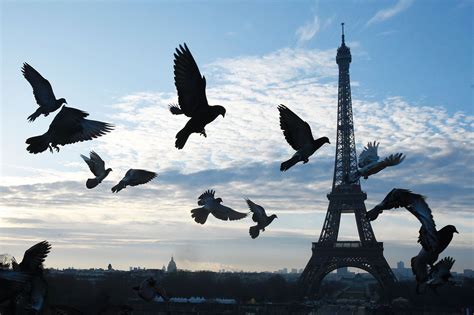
274	216
62	101
219	200
108	170
220	110
325	140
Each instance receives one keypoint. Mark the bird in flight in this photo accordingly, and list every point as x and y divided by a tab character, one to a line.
192	100
97	167
213	205
42	91
69	126
369	163
259	216
149	289
134	177
298	134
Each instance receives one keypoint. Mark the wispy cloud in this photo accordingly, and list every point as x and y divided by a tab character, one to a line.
309	30
390	12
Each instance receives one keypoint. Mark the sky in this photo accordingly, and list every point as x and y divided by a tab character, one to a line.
412	90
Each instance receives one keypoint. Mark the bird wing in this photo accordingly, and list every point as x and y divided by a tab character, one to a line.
297	132
444	265
369	154
225	213
191	86
35	256
206	197
258	211
392	159
420	209
95	163
136	177
42	89
69	126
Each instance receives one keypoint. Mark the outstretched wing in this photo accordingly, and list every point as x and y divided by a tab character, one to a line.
444	265
297	132
420	209
34	257
136	177
392	159
42	89
258	211
225	213
369	154
191	86
205	197
95	163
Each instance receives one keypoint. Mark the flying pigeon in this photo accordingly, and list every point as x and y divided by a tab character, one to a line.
191	87
440	273
428	255
69	126
298	134
42	91
414	203
369	162
30	294
214	206
259	216
134	177
97	167
149	289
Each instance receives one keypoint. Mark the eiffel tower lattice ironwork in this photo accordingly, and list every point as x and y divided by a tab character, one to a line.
329	253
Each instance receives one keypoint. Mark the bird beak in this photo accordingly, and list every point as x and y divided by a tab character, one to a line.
223	115
456	231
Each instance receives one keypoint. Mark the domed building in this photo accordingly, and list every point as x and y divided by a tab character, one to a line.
172	266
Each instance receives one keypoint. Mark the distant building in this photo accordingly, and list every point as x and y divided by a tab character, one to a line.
294	270
109	267
468	273
400	265
172	266
164	268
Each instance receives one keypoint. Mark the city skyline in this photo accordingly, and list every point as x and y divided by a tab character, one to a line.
410	87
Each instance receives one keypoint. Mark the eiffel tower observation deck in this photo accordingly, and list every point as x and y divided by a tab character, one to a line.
328	253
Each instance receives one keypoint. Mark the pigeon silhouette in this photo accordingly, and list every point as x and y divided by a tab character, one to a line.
30	293
69	126
134	177
192	100
148	290
259	216
42	91
298	134
440	273
97	167
214	206
369	163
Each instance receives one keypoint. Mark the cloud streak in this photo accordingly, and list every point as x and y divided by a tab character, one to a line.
388	13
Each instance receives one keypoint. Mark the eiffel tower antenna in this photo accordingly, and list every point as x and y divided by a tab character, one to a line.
328	253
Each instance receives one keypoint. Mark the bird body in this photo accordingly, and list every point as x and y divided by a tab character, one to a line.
260	217
369	163
192	100
214	205
69	126
134	177
97	167
42	91
149	290
298	134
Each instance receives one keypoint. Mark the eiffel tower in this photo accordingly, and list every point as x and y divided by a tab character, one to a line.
329	253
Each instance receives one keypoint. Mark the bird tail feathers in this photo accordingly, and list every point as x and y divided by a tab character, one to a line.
200	215
254	231
118	187
37	144
287	164
181	137
92	182
35	115
175	109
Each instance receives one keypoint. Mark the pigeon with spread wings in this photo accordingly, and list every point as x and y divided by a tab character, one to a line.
259	216
29	293
213	205
192	100
42	91
298	134
69	126
369	163
134	177
97	167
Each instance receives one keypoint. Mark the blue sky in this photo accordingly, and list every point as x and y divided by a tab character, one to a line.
412	90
